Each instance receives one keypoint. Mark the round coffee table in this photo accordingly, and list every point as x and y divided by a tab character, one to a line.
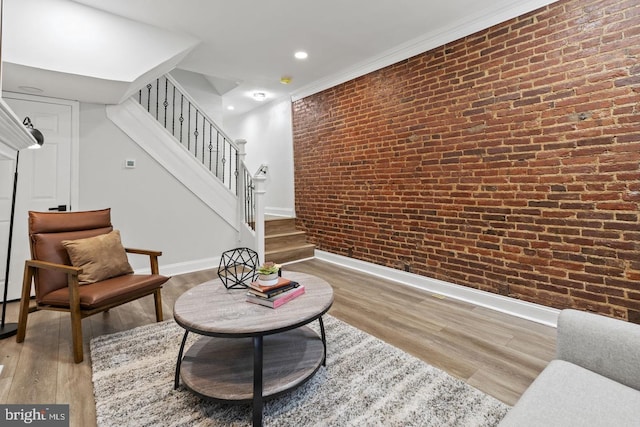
249	352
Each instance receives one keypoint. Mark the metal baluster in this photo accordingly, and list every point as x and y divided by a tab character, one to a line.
210	145
250	189
157	96
173	113
204	132
249	192
230	161
217	151
181	115
246	198
166	102
149	86
224	159
236	172
195	134
189	127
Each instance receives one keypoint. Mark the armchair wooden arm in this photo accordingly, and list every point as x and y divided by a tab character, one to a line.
153	257
52	266
143	252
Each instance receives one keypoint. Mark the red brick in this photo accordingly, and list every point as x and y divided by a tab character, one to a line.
506	159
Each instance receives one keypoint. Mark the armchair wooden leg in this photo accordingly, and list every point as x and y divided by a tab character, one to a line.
76	335
76	319
24	302
158	299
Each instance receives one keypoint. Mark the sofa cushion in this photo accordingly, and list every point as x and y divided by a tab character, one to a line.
567	395
100	257
606	346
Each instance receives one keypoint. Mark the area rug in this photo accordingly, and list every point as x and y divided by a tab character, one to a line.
366	382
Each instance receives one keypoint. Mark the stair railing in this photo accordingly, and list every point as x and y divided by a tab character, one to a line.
173	108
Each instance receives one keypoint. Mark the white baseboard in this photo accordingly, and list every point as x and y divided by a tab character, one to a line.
184	267
525	310
283	212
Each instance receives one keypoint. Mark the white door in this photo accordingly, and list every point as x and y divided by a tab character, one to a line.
44	176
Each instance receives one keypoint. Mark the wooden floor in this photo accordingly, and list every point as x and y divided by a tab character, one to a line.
493	352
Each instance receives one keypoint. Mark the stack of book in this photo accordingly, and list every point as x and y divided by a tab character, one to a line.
274	295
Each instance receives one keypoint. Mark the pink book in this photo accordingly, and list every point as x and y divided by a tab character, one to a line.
279	300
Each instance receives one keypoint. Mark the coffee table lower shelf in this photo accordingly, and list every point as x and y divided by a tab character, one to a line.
222	368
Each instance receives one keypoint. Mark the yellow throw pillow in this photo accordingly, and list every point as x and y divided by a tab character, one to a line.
100	257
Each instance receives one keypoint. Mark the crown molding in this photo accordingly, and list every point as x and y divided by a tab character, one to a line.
424	43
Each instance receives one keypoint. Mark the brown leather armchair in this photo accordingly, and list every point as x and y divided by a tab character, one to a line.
57	284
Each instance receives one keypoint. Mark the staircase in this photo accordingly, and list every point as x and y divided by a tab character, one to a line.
168	124
283	243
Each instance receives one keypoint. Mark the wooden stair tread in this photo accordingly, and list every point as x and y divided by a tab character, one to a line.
287	234
292	247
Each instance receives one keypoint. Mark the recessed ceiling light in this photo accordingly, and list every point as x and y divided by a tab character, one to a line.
301	55
259	96
285	80
231	107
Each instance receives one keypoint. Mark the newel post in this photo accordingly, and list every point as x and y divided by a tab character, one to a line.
259	183
241	182
242	152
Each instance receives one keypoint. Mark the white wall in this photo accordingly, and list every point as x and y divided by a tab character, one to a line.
150	207
269	134
70	50
201	90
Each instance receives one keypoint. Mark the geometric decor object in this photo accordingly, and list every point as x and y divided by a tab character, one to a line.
237	268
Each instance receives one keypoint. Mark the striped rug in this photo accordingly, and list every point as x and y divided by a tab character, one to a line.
366	383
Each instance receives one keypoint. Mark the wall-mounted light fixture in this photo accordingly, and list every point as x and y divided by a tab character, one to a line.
34	132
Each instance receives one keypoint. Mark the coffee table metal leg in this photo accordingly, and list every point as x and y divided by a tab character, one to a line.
324	341
257	381
179	362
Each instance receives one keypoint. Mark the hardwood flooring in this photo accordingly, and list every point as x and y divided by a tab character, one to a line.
494	352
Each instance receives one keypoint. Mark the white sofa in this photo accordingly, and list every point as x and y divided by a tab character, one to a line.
594	380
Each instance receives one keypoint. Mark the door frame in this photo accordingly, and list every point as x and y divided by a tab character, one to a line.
15	278
75	138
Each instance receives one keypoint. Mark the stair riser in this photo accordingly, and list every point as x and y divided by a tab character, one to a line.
290	255
280	226
281	242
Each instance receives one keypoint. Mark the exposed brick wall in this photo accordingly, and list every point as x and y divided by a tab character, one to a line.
507	161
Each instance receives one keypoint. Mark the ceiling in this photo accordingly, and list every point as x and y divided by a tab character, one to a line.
102	51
